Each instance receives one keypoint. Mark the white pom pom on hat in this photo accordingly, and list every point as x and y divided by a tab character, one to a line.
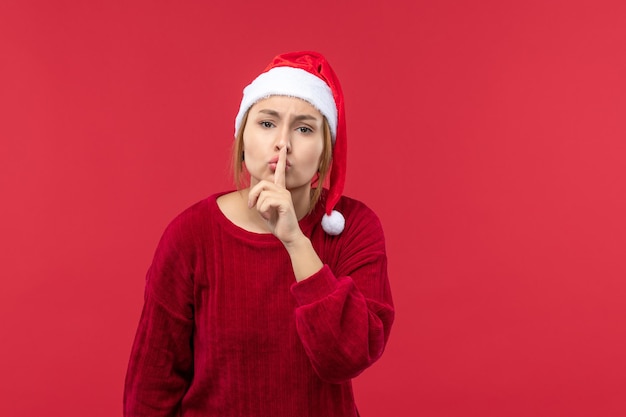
334	223
309	76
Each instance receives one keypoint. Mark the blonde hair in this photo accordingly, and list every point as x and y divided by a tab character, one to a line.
242	178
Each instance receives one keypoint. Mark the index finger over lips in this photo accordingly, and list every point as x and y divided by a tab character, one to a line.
281	166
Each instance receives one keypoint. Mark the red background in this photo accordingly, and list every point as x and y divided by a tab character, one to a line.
489	136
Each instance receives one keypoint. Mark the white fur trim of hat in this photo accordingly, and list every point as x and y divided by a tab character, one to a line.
292	82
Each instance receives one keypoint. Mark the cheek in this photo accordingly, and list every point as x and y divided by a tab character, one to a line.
248	145
315	157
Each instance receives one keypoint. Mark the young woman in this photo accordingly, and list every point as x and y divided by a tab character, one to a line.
268	300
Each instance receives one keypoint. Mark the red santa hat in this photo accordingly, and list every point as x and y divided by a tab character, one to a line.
308	76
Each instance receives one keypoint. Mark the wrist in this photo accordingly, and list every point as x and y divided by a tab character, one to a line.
297	243
304	259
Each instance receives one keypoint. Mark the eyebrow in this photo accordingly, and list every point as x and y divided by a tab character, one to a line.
298	118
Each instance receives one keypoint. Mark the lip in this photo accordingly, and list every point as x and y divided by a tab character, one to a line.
274	162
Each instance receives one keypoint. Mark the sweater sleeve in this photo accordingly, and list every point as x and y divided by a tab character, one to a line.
161	362
344	314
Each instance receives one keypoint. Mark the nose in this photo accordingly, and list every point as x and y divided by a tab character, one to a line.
283	139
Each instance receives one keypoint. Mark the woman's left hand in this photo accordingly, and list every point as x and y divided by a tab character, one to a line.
273	202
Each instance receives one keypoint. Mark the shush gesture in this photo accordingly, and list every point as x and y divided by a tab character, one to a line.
274	203
281	168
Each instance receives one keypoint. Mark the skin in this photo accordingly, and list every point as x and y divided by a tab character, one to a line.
283	143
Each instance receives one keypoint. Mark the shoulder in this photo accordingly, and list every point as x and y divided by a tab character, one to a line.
191	216
361	242
358	215
353	205
191	224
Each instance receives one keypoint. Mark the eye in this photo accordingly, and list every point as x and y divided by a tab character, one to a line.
304	129
266	124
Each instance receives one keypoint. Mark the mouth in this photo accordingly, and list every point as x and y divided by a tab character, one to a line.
272	166
274	162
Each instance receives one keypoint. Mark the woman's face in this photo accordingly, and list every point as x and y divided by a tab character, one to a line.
277	122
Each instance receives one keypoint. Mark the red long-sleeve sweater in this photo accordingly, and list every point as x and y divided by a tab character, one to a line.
226	330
